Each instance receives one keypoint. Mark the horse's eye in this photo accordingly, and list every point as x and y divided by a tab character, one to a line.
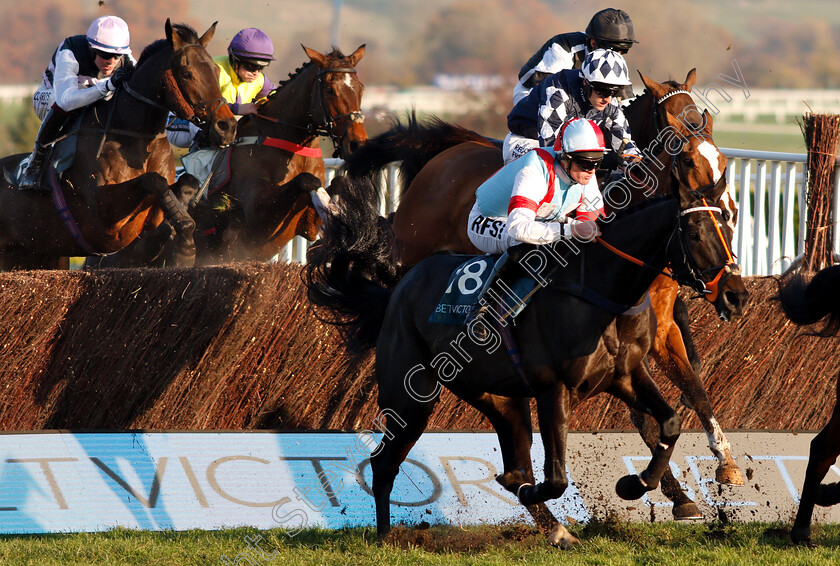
726	215
694	236
186	74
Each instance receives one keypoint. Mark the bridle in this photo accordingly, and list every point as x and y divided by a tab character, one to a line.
199	113
322	123
691	276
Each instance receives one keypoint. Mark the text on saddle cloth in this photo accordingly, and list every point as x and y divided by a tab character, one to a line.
464	287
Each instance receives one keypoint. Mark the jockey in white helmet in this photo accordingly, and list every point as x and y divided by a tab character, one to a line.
84	69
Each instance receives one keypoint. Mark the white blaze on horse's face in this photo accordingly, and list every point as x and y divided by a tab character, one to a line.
712	155
727	200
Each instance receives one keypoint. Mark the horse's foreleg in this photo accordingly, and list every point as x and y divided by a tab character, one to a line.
553	413
511	419
671	351
641	393
176	214
824	451
684	507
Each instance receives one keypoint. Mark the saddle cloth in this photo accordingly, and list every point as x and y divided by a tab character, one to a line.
201	163
464	287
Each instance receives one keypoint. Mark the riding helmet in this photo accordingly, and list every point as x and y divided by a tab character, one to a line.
251	44
582	137
612	28
110	34
605	67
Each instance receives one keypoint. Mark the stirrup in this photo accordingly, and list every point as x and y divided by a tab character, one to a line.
30	178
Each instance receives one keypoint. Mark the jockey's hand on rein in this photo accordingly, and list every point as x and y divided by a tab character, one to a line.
118	78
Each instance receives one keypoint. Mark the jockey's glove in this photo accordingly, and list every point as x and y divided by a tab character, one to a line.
118	78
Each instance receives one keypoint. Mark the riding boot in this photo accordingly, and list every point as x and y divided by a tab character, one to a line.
483	306
50	128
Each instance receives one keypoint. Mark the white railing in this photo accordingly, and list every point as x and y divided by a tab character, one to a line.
769	188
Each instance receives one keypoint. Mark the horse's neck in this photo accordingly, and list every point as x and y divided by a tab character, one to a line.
290	106
644	235
642	120
132	112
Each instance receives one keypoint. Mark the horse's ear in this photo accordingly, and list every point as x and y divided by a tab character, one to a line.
690	79
168	29
316	57
654	87
708	122
357	55
208	35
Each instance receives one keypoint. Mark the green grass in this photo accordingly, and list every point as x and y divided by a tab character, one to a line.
602	542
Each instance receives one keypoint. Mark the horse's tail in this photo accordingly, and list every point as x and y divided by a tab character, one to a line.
412	143
808	302
351	270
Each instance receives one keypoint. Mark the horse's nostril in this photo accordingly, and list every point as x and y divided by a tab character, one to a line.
223	126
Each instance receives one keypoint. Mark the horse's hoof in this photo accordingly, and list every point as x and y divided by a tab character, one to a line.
630	487
560	536
729	473
802	536
687	512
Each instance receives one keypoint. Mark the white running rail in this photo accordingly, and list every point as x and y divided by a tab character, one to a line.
768	186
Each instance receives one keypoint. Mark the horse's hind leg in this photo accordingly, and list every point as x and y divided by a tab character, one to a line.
511	419
671	352
406	417
824	451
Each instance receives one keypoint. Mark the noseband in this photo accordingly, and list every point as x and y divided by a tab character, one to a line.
709	290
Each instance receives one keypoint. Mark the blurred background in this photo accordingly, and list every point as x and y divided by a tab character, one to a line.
459	58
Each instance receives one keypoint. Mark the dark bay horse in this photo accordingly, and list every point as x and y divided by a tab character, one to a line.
809	302
120	179
443	164
570	348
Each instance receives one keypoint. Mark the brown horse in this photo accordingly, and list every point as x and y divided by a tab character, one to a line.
260	190
809	303
444	164
265	203
120	179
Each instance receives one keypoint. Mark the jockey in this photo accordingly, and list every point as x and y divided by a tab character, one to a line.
585	93
545	196
608	29
241	80
84	69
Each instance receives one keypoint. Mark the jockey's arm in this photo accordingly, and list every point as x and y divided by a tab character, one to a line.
69	92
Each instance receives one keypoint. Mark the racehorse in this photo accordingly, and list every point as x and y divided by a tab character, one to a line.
119	181
260	187
809	303
264	205
570	348
443	164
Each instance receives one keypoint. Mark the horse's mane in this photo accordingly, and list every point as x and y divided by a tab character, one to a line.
336	54
186	33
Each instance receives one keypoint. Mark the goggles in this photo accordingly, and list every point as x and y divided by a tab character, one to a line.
620	47
252	66
605	90
585	164
105	55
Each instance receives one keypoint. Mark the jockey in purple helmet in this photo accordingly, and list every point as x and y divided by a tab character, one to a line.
241	80
84	69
